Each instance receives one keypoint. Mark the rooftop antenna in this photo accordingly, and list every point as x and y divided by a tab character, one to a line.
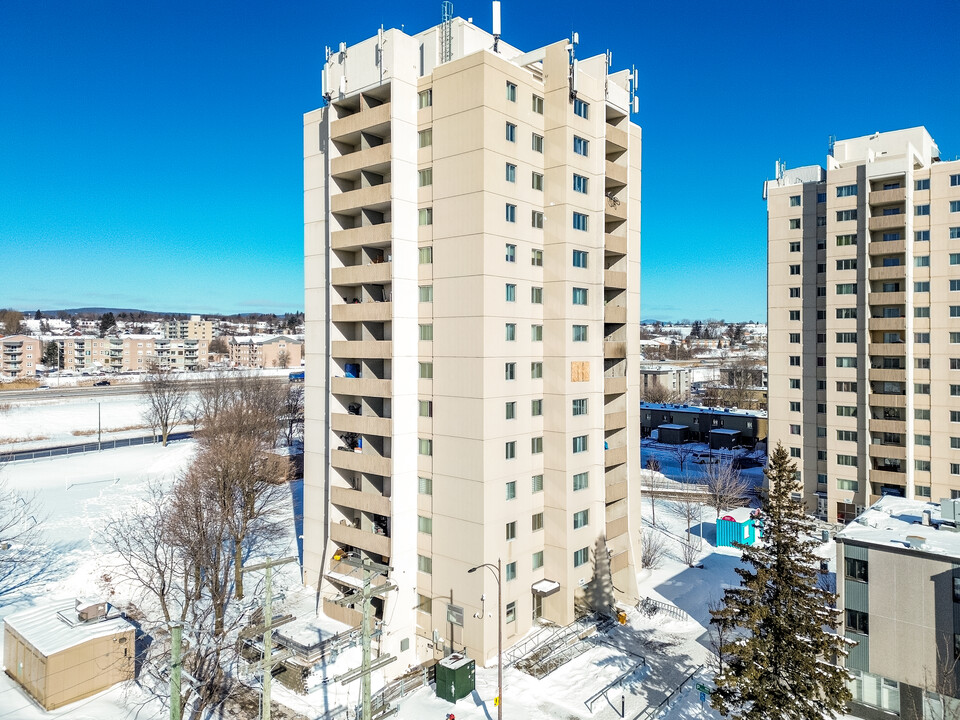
446	31
496	24
831	141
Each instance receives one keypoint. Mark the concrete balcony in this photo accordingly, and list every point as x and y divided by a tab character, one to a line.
887	477
888	349
614	420
360	462
893	272
617	527
614	385
615	456
892	426
366	119
362	312
887	222
886	298
615	279
887	247
369	274
371	542
887	375
614	349
888	451
361	424
887	324
884	400
368	387
367	236
619	561
616	175
888	197
367	501
350	349
375	158
614	314
375	196
614	210
615	244
616	491
617	139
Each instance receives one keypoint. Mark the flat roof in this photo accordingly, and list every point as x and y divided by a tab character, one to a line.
52	626
892	519
740	514
672	426
706	410
724	431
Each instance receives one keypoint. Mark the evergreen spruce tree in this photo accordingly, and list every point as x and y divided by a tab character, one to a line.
778	629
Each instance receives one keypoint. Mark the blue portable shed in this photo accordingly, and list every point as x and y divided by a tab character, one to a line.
738	525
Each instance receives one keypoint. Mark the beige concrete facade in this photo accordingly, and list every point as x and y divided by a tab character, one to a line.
672	378
196	328
20	355
130	353
864	296
265	351
472	263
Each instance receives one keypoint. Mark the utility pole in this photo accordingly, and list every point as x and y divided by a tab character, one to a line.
269	659
365	595
176	665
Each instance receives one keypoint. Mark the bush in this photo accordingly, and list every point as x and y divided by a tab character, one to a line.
653	546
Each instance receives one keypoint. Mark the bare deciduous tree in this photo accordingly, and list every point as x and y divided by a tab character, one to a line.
293	413
653	546
726	487
654	483
283	359
682	452
655	392
24	554
165	396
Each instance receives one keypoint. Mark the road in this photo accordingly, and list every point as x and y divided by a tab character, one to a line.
70	392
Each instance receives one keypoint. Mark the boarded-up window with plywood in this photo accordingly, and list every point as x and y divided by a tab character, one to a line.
580	371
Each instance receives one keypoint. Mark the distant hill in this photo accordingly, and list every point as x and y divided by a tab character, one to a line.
128	311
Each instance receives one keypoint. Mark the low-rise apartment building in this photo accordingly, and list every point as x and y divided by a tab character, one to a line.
898	578
196	328
20	355
721	427
265	351
130	353
673	379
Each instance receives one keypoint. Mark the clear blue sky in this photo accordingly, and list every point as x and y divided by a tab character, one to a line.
150	152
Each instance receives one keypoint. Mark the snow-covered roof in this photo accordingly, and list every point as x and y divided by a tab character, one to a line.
672	426
710	410
724	431
52	627
260	339
740	514
895	522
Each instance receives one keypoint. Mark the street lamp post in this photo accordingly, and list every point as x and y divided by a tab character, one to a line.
499	633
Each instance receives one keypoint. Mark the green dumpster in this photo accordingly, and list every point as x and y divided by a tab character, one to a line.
456	677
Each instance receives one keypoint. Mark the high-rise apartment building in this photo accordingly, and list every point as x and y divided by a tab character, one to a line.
864	301
472	262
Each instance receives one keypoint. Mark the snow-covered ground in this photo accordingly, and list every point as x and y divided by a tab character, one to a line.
693	471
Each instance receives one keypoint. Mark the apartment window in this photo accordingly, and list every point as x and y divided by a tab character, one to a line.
954	206
843	240
536	181
536	143
536	333
511	253
424	564
794	269
579	183
536	523
855	569
954	233
821	222
510	291
954	470
424	525
536	445
510	612
794	223
794	429
845	386
538	560
579	258
922	286
821	408
954	285
847	460
426	408
795	452
511	91
511	530
847	435
847	410
426	256
846	289
795	246
581	481
794	292
537	104
424	98
954	338
510	332
536	483
794	406
536	258
536	295
426	216
511	172
954	311
426	293
921	338
581	519
846	337
510	450
921	236
511	133
425	177
581	557
848	264
921	414
580	444
426	332
426	370
921	311
794	361
955	363
580	108
921	209
425	446
821	267
795	315
922	184
922	465
852	485
425	486
511	213
955	258
795	338
794	201
954	180
579	333
580	406
846	215
536	220
536	407
425	138
579	296
921	261
536	370
579	221
846	190
955	390
509	371
511	410
891	236
847	313
821	197
580	146
921	440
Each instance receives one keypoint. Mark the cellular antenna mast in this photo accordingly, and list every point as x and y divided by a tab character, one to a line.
446	31
496	24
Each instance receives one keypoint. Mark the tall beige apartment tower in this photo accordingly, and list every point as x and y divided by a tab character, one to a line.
472	261
864	314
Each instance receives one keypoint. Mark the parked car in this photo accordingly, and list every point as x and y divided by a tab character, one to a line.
742	463
43	387
101	383
705	458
